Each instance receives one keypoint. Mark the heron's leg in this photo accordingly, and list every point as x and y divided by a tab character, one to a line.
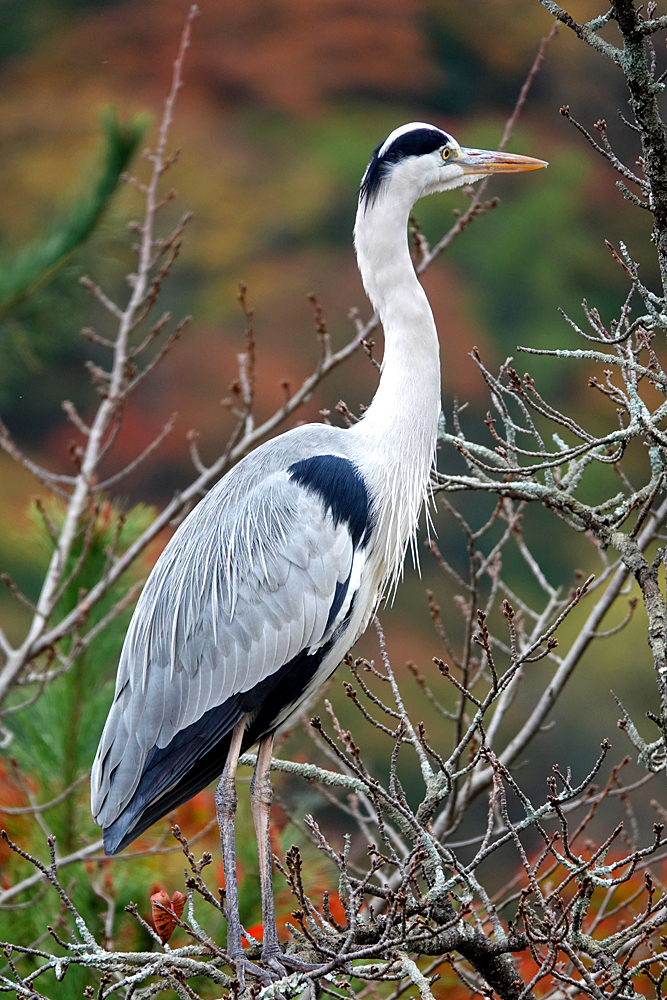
225	803
261	796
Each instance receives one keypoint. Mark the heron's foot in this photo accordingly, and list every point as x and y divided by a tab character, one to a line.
245	967
274	967
274	962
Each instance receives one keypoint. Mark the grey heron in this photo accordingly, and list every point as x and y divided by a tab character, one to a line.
276	573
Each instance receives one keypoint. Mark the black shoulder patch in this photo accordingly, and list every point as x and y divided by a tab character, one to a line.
338	483
418	142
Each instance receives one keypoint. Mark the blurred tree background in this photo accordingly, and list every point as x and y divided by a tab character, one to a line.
283	103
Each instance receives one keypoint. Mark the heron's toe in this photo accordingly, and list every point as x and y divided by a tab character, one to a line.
244	967
274	962
279	959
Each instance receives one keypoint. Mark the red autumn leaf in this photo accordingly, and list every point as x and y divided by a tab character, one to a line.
163	912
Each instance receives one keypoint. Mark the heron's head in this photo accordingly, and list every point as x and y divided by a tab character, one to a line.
420	159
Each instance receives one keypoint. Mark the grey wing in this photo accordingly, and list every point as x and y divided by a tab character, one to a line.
235	595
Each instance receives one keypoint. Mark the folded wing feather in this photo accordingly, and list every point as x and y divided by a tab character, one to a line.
229	602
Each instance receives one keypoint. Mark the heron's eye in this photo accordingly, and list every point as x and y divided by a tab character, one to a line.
445	153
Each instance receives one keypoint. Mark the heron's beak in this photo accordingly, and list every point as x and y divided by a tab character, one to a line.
483	161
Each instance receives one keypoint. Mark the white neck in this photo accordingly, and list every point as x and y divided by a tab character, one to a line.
402	420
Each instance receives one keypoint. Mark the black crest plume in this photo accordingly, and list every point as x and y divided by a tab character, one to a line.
418	142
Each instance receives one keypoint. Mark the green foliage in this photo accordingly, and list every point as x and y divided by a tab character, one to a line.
42	303
37	263
55	739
